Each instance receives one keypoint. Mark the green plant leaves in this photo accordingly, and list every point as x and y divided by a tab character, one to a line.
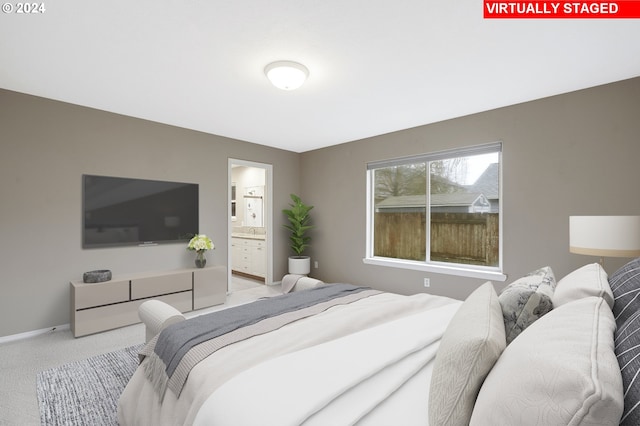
298	216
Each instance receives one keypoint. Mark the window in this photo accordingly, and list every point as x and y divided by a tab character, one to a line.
437	212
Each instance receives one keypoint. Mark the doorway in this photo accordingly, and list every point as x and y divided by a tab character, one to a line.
250	222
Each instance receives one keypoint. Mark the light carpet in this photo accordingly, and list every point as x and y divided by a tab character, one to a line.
86	392
21	360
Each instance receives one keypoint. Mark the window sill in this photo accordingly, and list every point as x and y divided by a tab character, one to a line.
470	272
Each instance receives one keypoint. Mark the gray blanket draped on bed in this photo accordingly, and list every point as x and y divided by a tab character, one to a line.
180	346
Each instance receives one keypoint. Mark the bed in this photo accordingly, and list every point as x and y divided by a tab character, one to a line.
540	353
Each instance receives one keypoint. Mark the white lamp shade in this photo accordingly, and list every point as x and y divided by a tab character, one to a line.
286	75
610	236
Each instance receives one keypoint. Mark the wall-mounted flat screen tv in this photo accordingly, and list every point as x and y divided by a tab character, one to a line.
123	211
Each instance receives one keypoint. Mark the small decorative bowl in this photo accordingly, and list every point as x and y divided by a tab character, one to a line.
98	276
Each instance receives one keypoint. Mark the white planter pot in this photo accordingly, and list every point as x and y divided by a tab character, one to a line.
299	265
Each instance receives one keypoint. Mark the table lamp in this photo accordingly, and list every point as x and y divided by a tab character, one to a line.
605	236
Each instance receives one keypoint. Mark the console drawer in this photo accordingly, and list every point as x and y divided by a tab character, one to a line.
160	284
98	294
90	321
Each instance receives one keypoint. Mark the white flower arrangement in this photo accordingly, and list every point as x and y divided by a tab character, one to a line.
200	243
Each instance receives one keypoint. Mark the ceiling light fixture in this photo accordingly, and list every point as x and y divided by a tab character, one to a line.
286	75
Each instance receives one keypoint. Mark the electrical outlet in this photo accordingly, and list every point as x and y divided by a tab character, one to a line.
427	282
315	264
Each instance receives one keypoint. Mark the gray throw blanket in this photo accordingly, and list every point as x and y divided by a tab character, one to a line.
180	346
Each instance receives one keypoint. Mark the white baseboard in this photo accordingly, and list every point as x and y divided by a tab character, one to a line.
34	333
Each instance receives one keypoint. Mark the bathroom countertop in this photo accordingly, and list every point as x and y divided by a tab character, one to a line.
248	236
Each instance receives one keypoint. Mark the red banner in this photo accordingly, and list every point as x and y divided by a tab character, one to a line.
624	9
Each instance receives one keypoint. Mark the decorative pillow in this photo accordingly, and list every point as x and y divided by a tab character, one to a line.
590	280
525	300
472	342
560	371
625	285
627	348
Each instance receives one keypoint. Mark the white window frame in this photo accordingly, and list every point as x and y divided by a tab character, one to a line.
471	271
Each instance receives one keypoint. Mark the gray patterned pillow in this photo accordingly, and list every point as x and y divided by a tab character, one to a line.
625	285
525	300
627	349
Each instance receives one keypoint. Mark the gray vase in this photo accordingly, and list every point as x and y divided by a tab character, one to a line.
200	259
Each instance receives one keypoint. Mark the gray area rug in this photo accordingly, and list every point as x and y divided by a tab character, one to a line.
86	392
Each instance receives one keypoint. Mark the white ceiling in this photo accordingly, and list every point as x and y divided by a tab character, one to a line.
375	66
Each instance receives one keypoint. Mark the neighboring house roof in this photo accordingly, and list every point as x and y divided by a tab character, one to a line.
488	182
461	199
485	188
403	201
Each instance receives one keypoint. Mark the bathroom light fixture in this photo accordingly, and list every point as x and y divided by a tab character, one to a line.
286	75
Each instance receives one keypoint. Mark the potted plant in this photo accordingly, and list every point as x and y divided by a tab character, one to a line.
298	216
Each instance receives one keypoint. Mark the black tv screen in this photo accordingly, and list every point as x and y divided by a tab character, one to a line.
123	211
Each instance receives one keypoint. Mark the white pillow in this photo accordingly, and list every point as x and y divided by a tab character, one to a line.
590	280
562	370
470	346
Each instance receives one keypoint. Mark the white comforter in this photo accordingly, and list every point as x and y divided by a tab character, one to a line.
342	382
139	404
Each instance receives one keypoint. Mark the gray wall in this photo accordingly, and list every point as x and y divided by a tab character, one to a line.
570	154
46	146
573	154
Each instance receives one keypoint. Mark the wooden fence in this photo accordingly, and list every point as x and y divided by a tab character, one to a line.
470	238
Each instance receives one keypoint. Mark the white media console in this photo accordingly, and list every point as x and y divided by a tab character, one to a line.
111	304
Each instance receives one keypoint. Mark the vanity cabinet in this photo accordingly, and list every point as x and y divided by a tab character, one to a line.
258	259
249	256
